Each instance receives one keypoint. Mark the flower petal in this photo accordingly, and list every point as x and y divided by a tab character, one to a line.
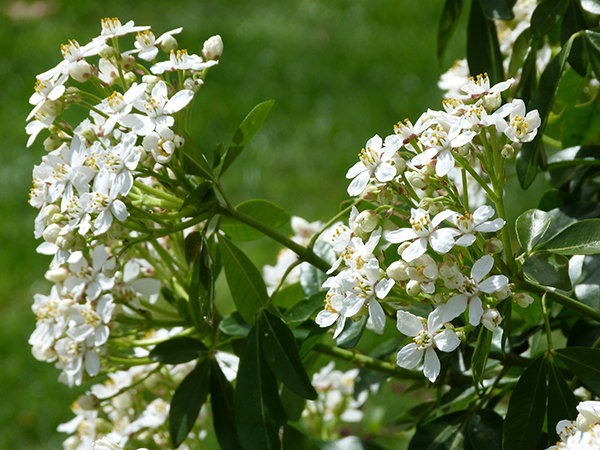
446	341
482	267
409	356
408	323
431	368
376	315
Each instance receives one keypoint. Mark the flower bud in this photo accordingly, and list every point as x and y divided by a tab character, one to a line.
57	275
523	299
107	52
464	150
115	231
429	168
48	213
503	293
508	151
53	108
130	78
110	267
417	179
436	208
127	62
52	142
399	163
426	203
493	101
491	319
105	444
397	271
80	244
151	81
366	222
81	71
88	402
51	233
493	245
438	299
65	242
449	270
168	44
213	48
385	196
413	288
178	140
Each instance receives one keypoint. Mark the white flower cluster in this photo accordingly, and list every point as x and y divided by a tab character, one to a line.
95	185
584	432
444	259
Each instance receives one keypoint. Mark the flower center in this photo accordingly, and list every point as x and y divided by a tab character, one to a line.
423	340
518	124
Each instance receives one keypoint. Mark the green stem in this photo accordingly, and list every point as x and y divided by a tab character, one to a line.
553	142
125	389
547	323
465	165
505	236
465	189
333	220
158	193
130	361
306	254
159	310
368	362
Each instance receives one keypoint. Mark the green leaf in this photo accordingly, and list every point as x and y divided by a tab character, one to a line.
234	325
311	278
592	45
293	404
592	6
217	155
580	238
198	194
548	269
352	333
483	50
294	439
575	156
187	401
546	15
580	127
584	362
481	354
519	52
247	130
288	296
223	410
302	310
195	161
448	23
281	353
191	247
573	22
562	404
258	411
526	409
202	288
245	281
530	227
532	315
441	433
530	156
313	337
262	210
484	430
178	350
497	9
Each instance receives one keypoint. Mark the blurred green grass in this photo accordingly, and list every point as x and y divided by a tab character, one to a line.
339	72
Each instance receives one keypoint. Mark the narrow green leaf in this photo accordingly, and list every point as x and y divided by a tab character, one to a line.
191	247
481	354
197	195
293	404
520	48
281	352
178	350
245	281
497	9
548	269
302	310
584	362
529	78
592	6
484	430
259	415
546	15
187	401
575	156
573	22
247	130
217	155
294	439
441	433
580	238
262	210
530	227
448	22
352	333
202	288
483	50
223	410
288	296
562	404
592	45
313	337
529	156
526	409
195	161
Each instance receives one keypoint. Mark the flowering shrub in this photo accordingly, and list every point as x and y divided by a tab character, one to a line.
139	228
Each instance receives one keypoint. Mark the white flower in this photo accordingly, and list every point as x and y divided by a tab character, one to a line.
353	251
103	201
180	60
147	45
470	224
375	161
440	143
46	90
471	287
491	318
105	444
425	271
213	48
424	231
426	338
480	86
522	126
112	28
338	307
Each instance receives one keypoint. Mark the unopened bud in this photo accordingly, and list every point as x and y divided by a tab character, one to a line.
503	293
81	71
385	196
110	267
57	275
130	78
88	402
417	179
213	48
65	242
508	151
493	245
107	52
397	271
438	299
127	62
403	247
105	444
52	142
464	150
413	288
115	231
168	44
150	81
53	108
51	233
178	140
492	102
367	221
399	163
523	299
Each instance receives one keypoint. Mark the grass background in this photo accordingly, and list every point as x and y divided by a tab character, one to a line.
339	71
